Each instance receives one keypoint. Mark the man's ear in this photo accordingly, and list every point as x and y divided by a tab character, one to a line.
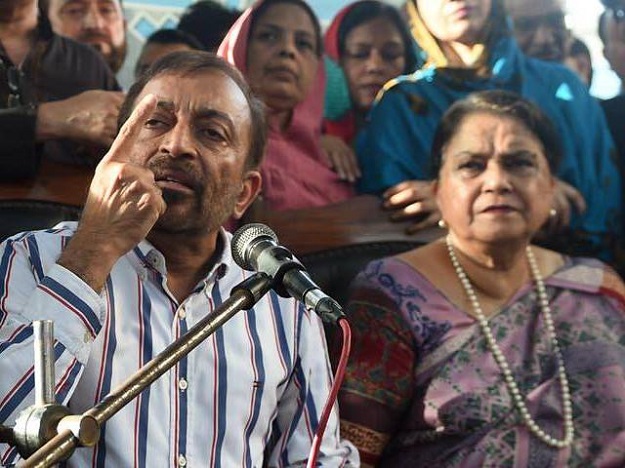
250	188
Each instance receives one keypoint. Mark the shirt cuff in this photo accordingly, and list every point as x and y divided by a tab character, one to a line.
76	309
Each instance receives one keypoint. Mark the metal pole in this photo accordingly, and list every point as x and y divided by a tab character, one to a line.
44	362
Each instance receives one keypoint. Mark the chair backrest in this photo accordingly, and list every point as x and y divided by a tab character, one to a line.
334	269
335	242
27	215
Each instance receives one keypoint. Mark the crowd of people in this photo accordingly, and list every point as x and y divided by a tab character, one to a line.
501	344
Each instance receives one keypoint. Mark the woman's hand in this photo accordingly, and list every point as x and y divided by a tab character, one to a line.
412	200
566	199
341	157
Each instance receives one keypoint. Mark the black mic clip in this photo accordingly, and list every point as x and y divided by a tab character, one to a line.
277	261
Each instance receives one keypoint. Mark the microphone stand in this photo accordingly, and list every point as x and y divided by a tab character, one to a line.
84	429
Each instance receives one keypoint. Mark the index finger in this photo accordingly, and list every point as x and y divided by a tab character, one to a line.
127	135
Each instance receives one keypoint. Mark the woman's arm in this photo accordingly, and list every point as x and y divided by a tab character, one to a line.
378	383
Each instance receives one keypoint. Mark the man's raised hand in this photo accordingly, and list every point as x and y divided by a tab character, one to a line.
122	206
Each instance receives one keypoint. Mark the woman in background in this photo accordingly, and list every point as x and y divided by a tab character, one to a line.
482	349
371	44
468	47
277	46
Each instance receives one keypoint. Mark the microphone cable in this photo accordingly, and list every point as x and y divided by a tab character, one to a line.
255	247
334	391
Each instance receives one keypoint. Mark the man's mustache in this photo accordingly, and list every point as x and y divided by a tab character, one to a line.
163	166
548	53
94	36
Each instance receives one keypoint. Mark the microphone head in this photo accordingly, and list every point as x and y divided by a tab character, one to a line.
244	239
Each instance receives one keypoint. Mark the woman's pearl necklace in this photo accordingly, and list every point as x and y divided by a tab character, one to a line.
501	360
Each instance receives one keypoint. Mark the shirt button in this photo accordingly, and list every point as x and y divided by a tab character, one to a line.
183	384
182	461
182	313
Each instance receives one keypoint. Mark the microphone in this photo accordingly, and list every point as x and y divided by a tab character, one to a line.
255	247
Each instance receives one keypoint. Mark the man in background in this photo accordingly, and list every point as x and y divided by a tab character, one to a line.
161	43
99	23
612	34
579	60
208	21
58	99
539	28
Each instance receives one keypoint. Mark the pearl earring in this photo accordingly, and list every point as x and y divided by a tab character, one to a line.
442	224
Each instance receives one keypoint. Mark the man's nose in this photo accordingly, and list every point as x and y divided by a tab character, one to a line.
178	141
544	34
93	19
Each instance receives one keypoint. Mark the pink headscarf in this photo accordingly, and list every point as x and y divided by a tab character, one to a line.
295	171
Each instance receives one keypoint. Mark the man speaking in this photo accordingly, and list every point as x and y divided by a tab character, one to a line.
146	262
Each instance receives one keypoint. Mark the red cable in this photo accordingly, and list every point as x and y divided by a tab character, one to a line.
334	390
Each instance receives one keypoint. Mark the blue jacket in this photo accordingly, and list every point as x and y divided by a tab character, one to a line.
395	144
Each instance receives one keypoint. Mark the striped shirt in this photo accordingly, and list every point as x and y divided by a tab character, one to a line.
248	396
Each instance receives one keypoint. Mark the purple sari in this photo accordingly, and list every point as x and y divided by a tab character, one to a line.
423	376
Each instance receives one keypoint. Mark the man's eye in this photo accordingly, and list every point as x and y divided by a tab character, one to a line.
74	11
154	123
213	134
108	11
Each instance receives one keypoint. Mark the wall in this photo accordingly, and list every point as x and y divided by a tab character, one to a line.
146	16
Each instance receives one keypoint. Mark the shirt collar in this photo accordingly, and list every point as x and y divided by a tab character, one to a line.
150	257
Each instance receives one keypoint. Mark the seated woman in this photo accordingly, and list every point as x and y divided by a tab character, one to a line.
472	49
277	45
482	349
371	44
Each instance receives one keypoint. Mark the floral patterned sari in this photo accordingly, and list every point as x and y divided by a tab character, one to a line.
423	385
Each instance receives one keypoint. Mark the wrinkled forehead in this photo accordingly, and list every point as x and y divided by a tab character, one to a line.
199	90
